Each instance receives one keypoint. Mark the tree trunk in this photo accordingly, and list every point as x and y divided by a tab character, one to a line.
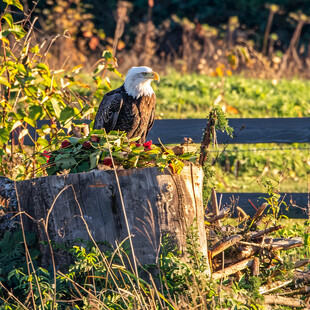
156	204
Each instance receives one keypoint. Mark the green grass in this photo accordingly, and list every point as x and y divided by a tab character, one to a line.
191	96
263	165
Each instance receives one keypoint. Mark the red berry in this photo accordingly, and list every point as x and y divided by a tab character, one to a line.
87	145
148	144
65	143
107	161
94	139
138	144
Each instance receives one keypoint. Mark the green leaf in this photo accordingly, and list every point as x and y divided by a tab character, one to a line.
107	55
84	166
30	121
41	159
42	142
21	68
73	140
66	114
66	163
94	159
4	135
9	19
35	49
16	3
4	81
35	112
16	30
56	107
43	67
98	70
16	124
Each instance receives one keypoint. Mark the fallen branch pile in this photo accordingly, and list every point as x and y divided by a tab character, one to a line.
247	248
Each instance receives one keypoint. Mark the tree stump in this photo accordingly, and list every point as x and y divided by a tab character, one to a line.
73	206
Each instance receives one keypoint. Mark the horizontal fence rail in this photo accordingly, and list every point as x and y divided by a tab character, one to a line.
246	130
297	204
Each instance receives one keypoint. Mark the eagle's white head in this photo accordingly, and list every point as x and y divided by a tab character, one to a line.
138	81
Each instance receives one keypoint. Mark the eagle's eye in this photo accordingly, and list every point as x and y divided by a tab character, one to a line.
144	73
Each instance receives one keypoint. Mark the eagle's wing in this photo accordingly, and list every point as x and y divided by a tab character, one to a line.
151	122
108	111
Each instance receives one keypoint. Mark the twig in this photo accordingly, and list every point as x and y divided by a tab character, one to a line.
217	217
273	286
215	207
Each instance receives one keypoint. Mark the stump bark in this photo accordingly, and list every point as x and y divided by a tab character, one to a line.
156	204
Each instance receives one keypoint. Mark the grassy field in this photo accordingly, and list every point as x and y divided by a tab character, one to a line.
254	168
191	96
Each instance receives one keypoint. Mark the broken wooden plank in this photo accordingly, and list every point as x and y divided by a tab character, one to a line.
232	269
284	301
265	231
223	245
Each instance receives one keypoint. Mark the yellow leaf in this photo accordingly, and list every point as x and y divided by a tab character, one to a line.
23	133
16	124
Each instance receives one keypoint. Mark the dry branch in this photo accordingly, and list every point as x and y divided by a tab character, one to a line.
285	244
215	207
276	244
301	291
265	231
273	286
284	301
217	217
242	214
254	245
302	263
233	269
223	245
259	212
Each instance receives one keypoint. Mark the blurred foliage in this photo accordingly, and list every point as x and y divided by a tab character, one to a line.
251	14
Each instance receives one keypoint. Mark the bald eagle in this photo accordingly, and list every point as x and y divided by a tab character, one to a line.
131	107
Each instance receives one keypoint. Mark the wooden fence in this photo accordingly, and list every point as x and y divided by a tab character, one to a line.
258	130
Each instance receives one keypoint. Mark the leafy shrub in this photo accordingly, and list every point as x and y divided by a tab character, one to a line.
98	149
31	91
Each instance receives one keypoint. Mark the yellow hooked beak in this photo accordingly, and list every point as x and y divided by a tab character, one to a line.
152	75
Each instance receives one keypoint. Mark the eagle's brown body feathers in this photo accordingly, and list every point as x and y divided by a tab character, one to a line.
120	111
